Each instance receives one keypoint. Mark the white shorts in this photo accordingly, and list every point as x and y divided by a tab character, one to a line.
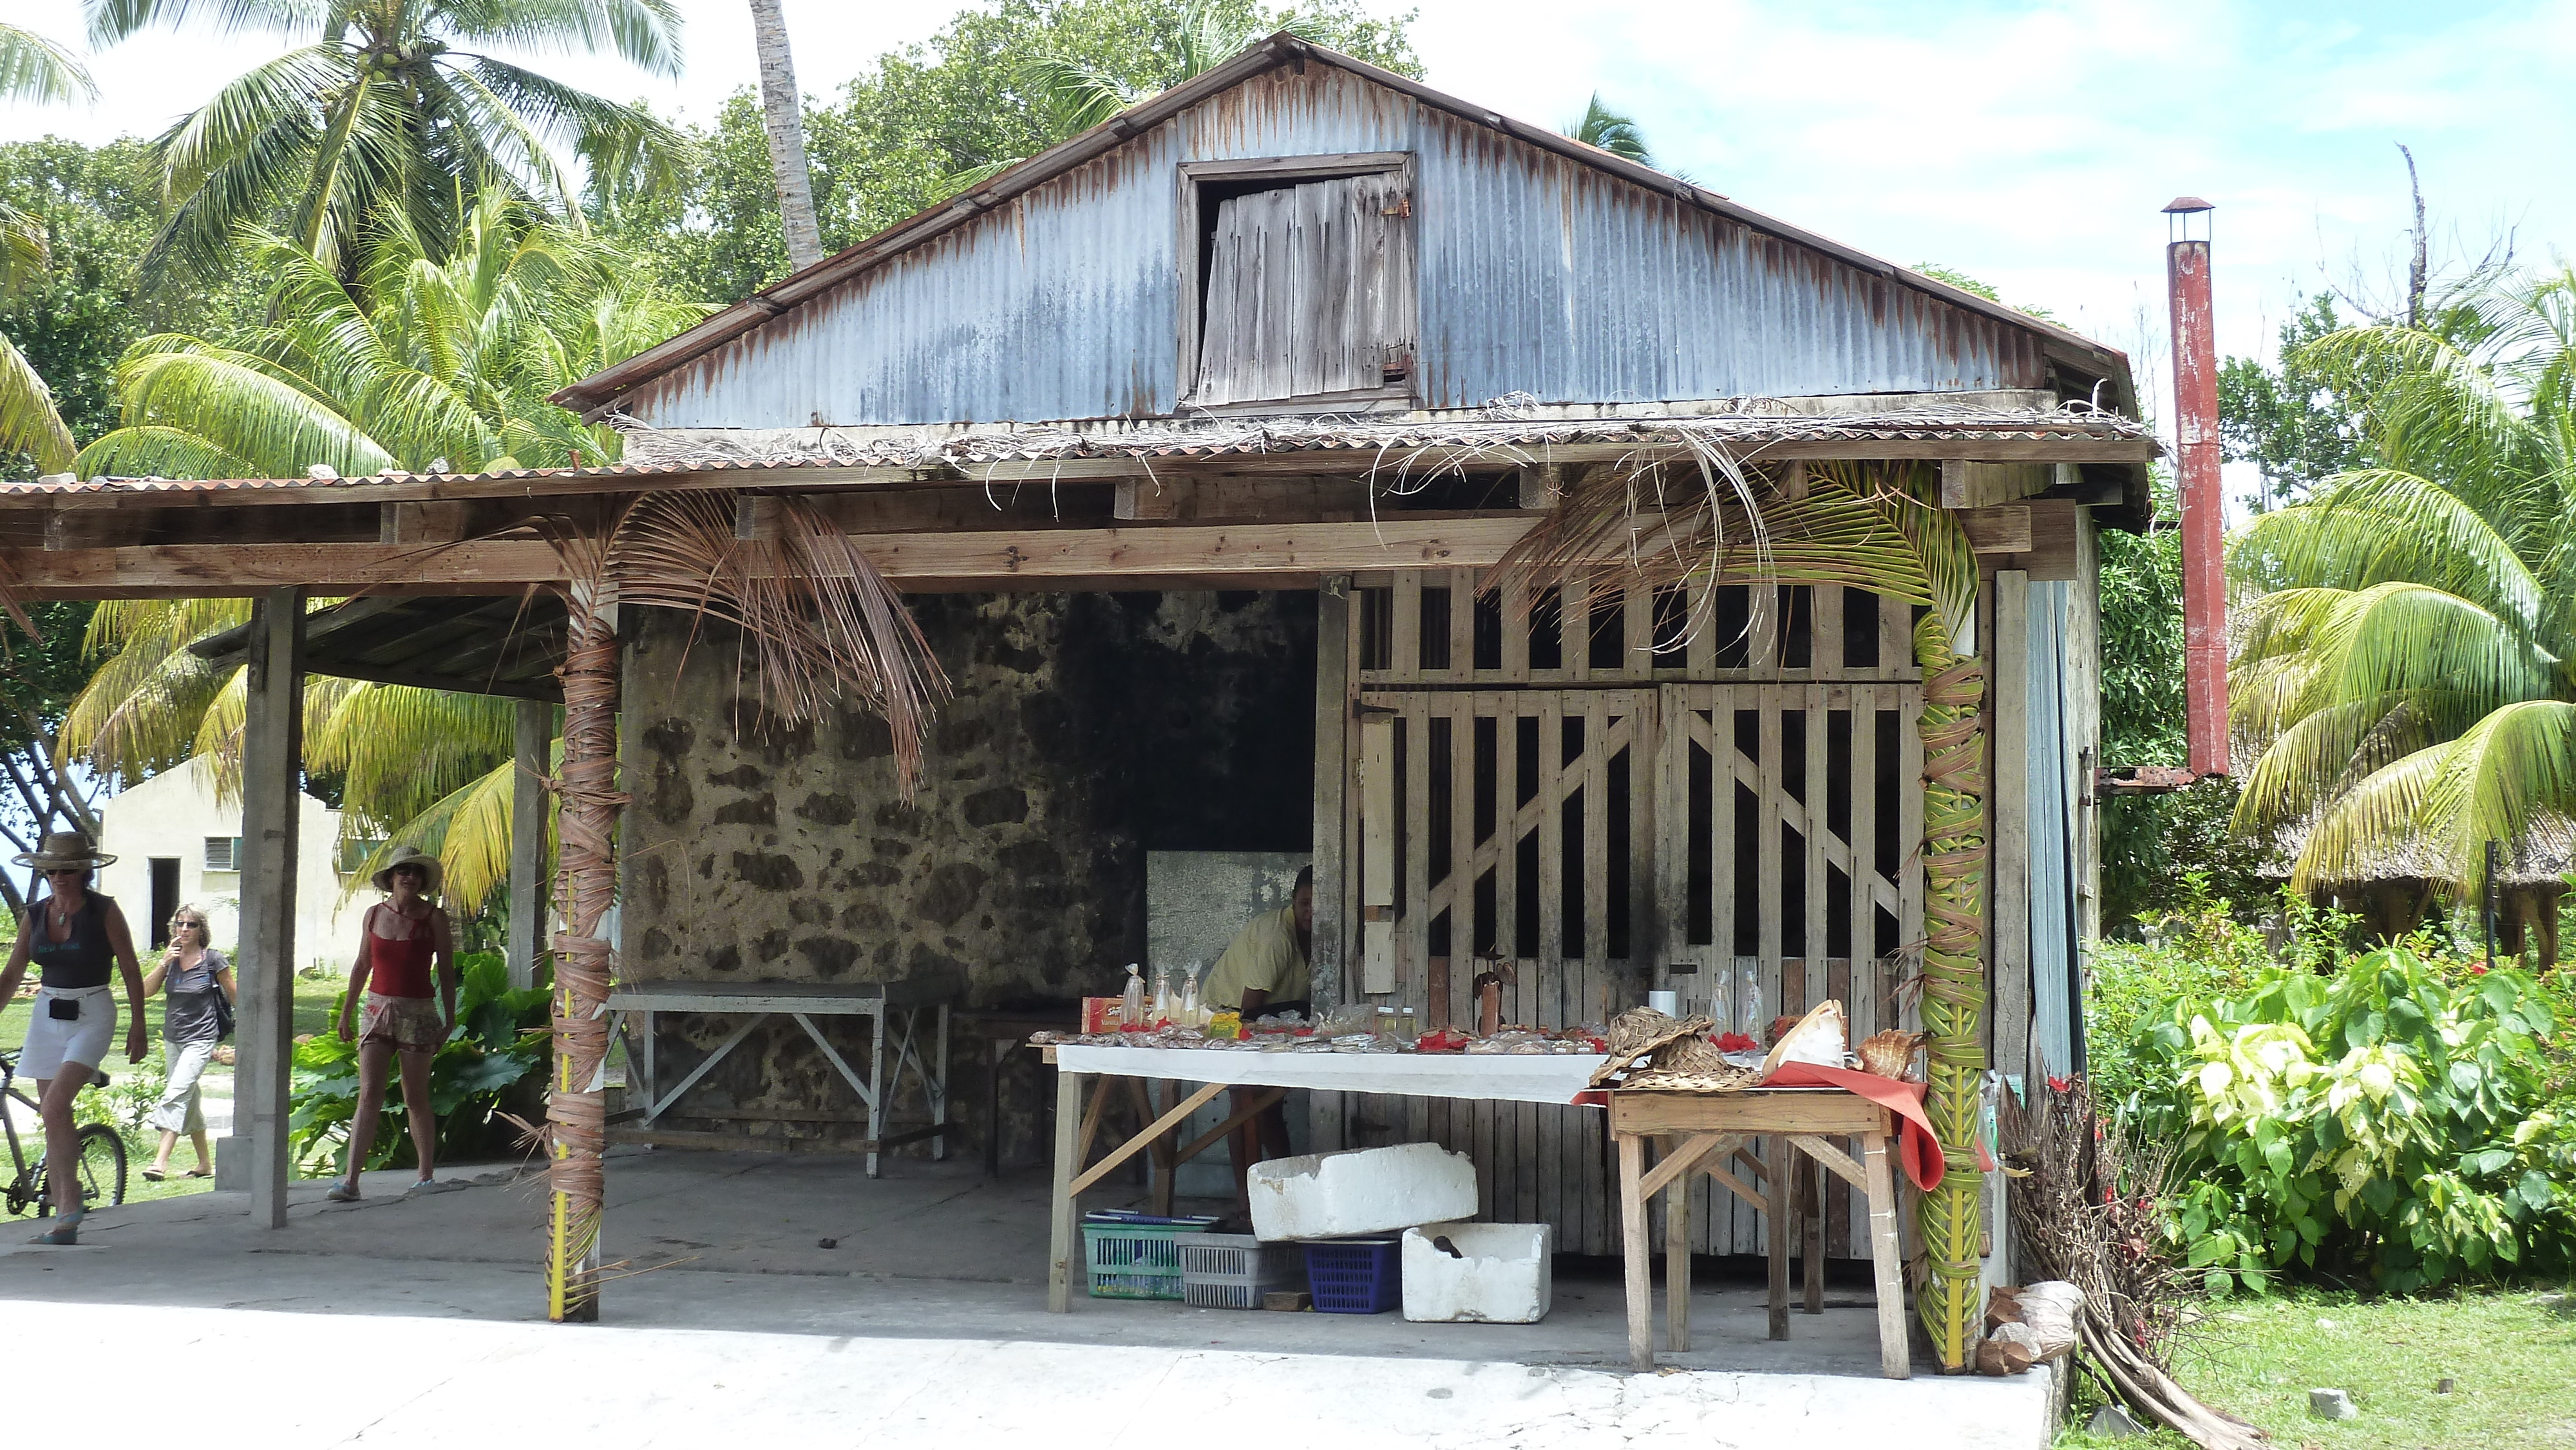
53	1041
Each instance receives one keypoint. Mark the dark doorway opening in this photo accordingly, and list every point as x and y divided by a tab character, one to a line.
165	898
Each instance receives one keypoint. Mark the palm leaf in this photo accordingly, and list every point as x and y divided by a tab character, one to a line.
28	420
2379	526
1611	132
33	68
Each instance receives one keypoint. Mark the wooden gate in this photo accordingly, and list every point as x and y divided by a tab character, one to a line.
1606	818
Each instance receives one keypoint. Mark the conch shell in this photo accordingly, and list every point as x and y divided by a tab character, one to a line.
1890	1053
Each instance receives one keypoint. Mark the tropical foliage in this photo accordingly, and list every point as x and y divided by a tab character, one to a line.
1612	132
32	68
997	83
391	115
436	352
2405	677
2390	1122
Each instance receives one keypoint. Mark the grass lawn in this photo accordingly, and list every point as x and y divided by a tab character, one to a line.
2512	1353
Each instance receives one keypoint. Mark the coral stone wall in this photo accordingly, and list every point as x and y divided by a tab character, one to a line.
1086	730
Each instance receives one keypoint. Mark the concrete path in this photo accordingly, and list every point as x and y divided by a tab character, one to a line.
400	1320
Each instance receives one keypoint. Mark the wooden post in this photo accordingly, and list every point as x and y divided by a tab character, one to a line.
272	792
576	1109
2008	798
1332	772
1777	1160
1635	1248
1886	1260
1061	1244
536	728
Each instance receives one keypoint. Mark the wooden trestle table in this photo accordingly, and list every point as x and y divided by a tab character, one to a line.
1703	1133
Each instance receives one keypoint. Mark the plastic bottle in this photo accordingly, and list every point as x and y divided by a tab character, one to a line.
1191	1013
1166	1002
1131	1003
1721	1007
1752	1021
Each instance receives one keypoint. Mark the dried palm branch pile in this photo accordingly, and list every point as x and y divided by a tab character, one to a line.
2087	1203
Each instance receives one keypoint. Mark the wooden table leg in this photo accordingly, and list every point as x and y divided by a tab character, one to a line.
1641	1280
1677	1264
1885	1262
1061	1246
1777	1173
1167	1095
1811	1229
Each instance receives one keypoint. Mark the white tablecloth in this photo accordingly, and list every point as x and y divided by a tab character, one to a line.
1497	1076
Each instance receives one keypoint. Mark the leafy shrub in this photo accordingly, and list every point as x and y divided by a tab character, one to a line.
497	1044
2391	1120
2200	951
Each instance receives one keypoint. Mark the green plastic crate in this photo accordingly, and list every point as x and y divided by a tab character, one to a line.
1135	1256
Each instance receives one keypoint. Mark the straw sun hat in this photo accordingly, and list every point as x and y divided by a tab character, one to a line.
407	856
65	851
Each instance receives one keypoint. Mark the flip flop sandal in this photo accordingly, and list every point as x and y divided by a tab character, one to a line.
341	1193
64	1234
155	1175
198	1173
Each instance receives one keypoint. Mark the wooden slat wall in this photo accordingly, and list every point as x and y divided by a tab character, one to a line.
1650	717
1309	290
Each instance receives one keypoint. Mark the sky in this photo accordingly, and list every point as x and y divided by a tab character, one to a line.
2029	145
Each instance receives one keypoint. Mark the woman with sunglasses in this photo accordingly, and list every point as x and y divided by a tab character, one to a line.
406	952
200	988
76	938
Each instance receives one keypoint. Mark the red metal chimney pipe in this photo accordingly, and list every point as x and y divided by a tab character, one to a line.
2204	580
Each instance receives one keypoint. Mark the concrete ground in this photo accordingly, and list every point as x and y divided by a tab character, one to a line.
400	1320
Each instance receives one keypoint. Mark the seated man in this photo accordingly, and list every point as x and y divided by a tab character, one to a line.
1266	969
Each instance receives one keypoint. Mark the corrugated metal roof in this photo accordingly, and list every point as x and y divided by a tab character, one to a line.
1544	265
1355	443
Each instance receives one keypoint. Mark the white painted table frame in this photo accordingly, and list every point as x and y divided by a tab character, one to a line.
1513	1078
891	1007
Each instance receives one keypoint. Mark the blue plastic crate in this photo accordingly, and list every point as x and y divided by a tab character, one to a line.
1356	1276
1135	1255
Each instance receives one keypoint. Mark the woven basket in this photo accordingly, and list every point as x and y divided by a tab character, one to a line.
1657	1080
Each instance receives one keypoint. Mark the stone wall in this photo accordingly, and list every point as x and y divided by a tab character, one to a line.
1087	729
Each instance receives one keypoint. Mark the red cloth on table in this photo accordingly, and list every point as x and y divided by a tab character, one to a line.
1917	1146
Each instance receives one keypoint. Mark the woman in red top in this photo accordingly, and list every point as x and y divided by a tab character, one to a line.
402	939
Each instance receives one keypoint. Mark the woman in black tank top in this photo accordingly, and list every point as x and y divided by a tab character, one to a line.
77	939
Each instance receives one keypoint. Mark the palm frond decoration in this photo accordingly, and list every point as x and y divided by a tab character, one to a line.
817	623
1878	527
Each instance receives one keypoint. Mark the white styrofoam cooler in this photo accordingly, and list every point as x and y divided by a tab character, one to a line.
1366	1191
1503	1277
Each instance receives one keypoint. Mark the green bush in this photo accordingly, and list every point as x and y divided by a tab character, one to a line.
498	1043
2392	1120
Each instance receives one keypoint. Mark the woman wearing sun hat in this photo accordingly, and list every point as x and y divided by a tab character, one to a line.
403	942
77	939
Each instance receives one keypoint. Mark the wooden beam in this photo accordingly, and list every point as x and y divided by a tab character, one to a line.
1049	556
1968	484
438	522
535	732
2000	530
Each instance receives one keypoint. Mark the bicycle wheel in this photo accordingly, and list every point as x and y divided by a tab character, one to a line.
101	1167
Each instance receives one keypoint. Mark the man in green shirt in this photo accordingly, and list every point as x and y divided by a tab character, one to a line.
1267	969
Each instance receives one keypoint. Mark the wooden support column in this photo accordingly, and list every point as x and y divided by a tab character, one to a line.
2008	922
272	792
1330	858
536	728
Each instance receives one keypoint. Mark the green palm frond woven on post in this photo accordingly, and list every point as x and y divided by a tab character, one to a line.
1872	526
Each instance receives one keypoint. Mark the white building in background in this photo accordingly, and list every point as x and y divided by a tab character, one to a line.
176	844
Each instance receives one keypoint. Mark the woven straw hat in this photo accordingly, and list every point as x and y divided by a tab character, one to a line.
407	856
65	851
1637	1032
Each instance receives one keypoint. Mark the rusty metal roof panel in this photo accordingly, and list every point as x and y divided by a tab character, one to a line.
1540	272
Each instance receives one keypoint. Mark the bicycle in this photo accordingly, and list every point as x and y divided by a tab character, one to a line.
101	1159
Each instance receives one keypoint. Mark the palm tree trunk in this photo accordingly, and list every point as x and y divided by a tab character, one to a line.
586	881
783	113
1951	1217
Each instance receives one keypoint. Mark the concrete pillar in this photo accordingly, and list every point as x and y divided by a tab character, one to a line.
528	841
1332	774
255	1155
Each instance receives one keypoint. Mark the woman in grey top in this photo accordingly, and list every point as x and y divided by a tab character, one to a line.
199	978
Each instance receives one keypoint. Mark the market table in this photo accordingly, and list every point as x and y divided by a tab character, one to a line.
885	1004
1559	1078
1712	1127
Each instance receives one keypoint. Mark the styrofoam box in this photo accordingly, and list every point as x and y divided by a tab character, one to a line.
1367	1191
1503	1278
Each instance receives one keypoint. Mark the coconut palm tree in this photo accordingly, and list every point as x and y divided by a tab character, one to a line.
443	362
390	113
2404	679
32	68
782	110
1612	132
1877	527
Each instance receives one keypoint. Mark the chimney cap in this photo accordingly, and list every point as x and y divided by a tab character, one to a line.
2189	204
